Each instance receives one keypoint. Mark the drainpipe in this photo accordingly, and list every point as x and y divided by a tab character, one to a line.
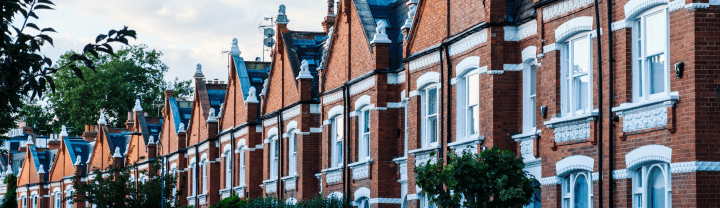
441	153
280	156
600	101
232	161
197	175
611	99
346	146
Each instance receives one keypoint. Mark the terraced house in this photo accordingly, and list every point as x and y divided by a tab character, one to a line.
609	104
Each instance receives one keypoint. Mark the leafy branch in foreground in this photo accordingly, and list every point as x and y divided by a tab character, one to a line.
26	72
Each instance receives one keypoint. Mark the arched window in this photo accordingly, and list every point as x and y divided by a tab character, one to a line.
651	78
364	143
58	198
205	176
363	202
23	201
193	169
337	141
468	98
173	172
430	116
69	203
242	166
529	99
575	175
651	176
273	157
576	75
292	151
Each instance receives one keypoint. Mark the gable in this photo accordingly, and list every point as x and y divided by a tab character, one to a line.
28	173
428	28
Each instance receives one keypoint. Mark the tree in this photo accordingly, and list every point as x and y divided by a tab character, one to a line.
26	72
10	199
119	191
493	178
135	72
40	118
183	89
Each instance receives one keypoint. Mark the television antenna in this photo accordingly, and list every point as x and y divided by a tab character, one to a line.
268	34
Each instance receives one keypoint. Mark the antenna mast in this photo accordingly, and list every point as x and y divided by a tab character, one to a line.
268	33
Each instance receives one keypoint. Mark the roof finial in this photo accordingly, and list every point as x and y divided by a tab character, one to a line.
137	105
42	169
251	98
380	35
282	17
265	85
30	140
181	128
170	86
152	140
305	73
117	152
234	49
78	160
64	131
198	71
411	15
102	121
211	117
9	172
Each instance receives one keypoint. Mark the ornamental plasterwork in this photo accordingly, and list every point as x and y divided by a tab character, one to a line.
646	154
425	60
202	198
572	130
549	180
563	7
517	33
396	78
469	145
423	156
290	183
621	174
634	7
362	85
240	190
576	162
269	121
270	186
645	117
291	113
549	47
468	42
332	97
573	26
333	176
385	201
526	147
191	199
225	193
361	170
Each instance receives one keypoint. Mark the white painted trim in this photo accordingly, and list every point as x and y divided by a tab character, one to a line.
572	163
334	111
468	42
529	53
272	131
425	60
361	192
647	153
361	102
292	125
517	33
563	7
573	26
634	7
427	79
466	65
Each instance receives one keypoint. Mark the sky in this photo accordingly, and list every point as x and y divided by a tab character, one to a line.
187	32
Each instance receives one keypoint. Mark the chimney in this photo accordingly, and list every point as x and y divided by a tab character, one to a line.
90	133
381	46
117	158
41	173
281	21
329	20
152	148
251	104
130	121
78	166
181	136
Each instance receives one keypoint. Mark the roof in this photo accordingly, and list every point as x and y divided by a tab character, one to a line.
79	147
305	46
394	14
518	11
45	158
216	98
250	74
179	114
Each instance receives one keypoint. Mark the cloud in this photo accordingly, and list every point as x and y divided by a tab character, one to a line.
186	31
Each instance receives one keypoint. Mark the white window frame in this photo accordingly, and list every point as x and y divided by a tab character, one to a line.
641	80
529	98
69	202
23	201
641	183
274	156
34	201
364	126
292	152
204	164
466	123
568	92
228	169
58	199
173	172
405	122
242	166
193	169
426	139
337	141
568	189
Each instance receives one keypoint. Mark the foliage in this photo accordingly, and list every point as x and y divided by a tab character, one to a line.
40	118
183	89
26	73
493	178
135	72
272	202
118	190
10	200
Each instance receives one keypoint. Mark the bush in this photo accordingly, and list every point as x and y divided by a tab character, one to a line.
272	202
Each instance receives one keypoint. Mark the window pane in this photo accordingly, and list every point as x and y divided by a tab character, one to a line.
432	101
432	125
656	65
532	80
366	138
581	192
338	154
640	79
294	143
473	89
656	188
366	121
532	112
473	120
339	127
581	55
655	29
580	89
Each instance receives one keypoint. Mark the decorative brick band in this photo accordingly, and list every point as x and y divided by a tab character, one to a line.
563	7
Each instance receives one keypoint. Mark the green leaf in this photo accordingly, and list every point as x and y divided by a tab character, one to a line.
100	38
32	25
42	6
46	2
49	29
47	38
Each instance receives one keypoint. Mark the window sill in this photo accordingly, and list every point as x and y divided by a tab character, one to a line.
526	136
647	114
270	186
240	190
469	144
361	170
552	123
333	175
289	182
423	155
224	193
573	128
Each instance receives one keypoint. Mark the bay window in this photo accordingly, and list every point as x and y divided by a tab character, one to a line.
577	76
651	76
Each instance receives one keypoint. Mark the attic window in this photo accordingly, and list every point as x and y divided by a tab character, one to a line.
187	116
77	149
41	157
154	130
257	80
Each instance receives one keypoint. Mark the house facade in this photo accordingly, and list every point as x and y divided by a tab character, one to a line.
610	104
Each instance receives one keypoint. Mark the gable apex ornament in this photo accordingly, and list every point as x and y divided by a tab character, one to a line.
211	117
78	160
117	152
282	17
265	86
102	120
410	16
181	128
251	98
64	131
170	86
380	33
198	71
152	140
41	170
137	106
235	50
29	141
305	70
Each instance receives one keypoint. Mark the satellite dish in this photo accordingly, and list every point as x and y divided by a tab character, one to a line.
269	42
269	32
